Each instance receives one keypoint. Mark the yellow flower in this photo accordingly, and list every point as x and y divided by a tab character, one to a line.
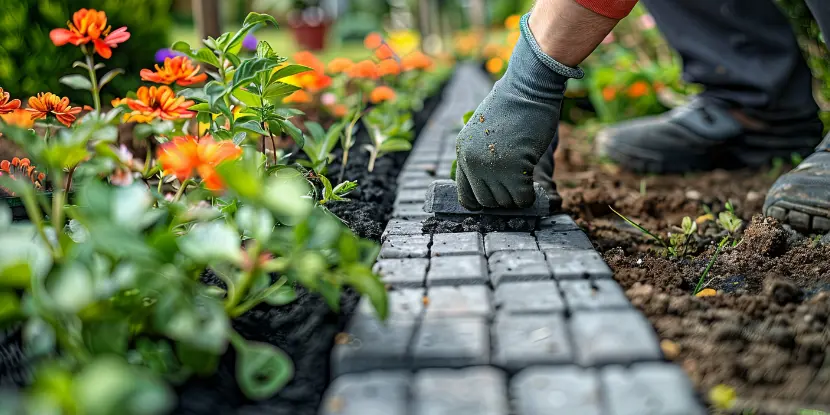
495	65
723	397
512	22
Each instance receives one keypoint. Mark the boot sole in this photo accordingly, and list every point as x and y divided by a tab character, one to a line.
805	219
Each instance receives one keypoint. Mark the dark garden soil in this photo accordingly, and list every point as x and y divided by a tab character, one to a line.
765	333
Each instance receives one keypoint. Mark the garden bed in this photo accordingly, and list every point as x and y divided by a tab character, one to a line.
764	333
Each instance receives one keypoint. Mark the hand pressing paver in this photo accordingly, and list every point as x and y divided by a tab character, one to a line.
452	342
567	265
402	272
522	341
405	246
464	243
613	336
531	297
375	393
649	388
557	390
593	295
463	301
550	239
457	270
373	345
512	266
473	391
509	241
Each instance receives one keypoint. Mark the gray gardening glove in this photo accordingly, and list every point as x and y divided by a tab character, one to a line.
511	129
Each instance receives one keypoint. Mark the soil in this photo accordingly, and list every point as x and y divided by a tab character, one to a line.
765	332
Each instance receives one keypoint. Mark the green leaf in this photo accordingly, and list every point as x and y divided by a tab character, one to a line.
394	145
251	21
287	71
345	188
76	82
211	242
453	169
214	92
71	288
264	50
282	296
316	130
368	284
467	116
261	369
108	336
9	307
253	126
328	192
23	257
182	47
207	56
239	138
294	132
279	90
200	107
109	385
5	216
249	70
258	223
254	18
250	100
200	361
109	76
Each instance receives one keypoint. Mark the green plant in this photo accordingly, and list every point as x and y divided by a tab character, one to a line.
337	193
677	244
390	131
319	145
347	139
708	268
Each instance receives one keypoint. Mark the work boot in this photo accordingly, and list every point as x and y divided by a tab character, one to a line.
801	197
706	136
543	174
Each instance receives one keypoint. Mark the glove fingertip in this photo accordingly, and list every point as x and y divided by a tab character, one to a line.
466	196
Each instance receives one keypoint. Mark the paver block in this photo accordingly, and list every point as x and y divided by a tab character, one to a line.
529	297
557	390
374	393
405	246
407	175
593	295
461	301
509	241
512	266
402	272
411	196
464	243
577	265
373	345
419	183
649	388
442	197
473	391
402	227
563	240
526	340
558	223
423	157
613	336
457	270
452	342
404	304
410	211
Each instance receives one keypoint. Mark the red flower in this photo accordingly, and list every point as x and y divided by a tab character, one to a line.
90	26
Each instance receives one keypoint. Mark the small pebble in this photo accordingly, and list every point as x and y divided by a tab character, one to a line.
670	349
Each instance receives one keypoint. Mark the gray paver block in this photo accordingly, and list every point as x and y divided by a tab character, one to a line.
410	211
417	184
402	272
402	227
405	246
613	336
407	175
404	304
373	345
577	265
452	342
527	340
462	301
557	390
511	266
550	239
509	241
529	297
411	196
593	295
464	243
457	270
473	391
649	388
374	393
558	223
442	197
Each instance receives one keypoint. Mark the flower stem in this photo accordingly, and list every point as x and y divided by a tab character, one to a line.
96	98
180	192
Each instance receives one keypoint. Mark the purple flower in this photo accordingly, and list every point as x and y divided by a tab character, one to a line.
165	53
249	42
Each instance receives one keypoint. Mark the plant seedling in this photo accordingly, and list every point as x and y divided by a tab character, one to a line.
336	193
319	145
390	131
669	249
705	273
347	139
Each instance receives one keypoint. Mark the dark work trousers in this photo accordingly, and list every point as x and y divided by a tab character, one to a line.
744	52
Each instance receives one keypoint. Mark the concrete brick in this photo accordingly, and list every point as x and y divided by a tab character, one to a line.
442	197
457	270
613	336
411	196
412	211
374	393
567	265
402	227
549	239
649	388
473	391
512	266
557	390
406	304
509	241
373	345
531	297
416	184
464	243
407	175
406	272
405	246
527	340
462	301
593	295
558	223
452	342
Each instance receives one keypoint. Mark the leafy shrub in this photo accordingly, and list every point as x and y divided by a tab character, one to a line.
30	63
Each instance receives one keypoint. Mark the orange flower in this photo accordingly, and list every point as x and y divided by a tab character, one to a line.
388	67
19	117
179	69
512	22
18	168
382	94
638	89
90	26
339	65
339	110
157	102
363	69
373	40
416	60
7	105
298	97
495	65
384	52
184	155
513	38
306	58
609	93
46	103
313	81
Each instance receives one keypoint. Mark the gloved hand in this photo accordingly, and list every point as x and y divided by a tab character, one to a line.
511	129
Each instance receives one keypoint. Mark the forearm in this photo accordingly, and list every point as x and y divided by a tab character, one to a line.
569	30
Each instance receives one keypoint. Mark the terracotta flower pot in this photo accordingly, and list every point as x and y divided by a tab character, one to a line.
310	37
